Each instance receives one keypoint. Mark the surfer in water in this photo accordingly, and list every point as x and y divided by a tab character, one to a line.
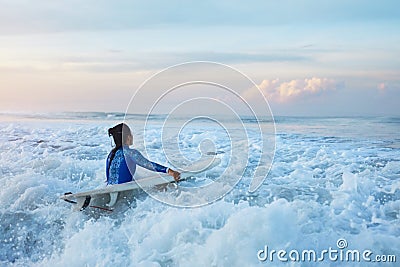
123	156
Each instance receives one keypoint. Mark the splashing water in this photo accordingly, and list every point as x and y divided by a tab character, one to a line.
331	178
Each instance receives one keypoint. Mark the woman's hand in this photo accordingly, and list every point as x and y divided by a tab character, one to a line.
174	174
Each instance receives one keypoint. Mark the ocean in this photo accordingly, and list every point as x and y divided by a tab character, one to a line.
331	197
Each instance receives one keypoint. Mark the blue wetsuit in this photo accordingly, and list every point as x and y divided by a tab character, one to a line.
119	172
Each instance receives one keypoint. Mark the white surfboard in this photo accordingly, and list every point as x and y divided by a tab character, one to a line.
83	200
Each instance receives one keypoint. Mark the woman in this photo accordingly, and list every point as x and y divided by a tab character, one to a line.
122	160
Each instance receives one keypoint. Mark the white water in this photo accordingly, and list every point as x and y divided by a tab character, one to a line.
331	178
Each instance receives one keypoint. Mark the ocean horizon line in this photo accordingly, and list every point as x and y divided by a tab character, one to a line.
117	114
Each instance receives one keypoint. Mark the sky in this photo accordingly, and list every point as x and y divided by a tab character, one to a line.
333	58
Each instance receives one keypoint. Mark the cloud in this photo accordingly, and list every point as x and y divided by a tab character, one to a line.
116	60
278	91
382	87
23	16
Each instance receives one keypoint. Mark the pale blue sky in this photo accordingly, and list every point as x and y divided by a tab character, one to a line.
309	57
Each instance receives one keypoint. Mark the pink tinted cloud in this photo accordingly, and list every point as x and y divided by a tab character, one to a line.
382	87
281	91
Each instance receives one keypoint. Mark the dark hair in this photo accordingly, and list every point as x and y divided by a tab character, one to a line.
119	133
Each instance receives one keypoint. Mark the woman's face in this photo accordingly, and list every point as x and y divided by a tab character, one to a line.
129	140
